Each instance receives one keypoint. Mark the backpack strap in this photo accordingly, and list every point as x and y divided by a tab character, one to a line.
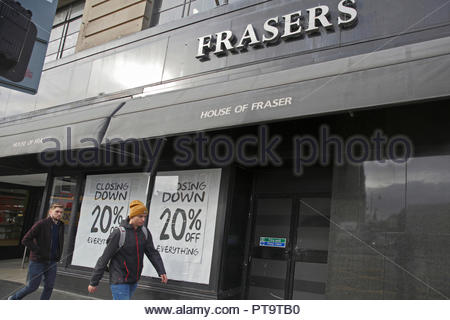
123	233
145	231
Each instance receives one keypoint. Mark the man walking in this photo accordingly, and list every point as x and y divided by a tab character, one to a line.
125	251
45	240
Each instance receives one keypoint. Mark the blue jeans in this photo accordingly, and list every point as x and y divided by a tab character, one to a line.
35	272
123	291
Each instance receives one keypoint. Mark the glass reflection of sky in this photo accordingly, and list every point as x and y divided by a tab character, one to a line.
391	187
384	189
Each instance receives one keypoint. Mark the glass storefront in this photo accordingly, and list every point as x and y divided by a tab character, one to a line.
371	230
289	246
390	235
13	204
63	192
20	200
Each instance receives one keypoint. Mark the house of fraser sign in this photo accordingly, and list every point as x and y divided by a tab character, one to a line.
289	26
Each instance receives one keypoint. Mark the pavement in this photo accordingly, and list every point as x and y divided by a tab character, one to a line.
13	278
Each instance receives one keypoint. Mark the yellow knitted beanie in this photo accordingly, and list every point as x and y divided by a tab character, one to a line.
137	208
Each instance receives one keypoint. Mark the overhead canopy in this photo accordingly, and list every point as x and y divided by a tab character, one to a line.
398	75
393	76
34	180
65	129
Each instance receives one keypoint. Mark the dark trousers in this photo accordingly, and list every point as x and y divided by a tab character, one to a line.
35	272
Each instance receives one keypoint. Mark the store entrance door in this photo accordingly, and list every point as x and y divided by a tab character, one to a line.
289	246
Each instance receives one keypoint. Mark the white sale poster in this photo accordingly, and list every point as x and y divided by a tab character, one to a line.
182	221
105	205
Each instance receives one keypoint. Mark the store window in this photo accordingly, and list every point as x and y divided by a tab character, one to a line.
165	11
183	215
104	206
63	192
13	204
389	236
20	197
64	35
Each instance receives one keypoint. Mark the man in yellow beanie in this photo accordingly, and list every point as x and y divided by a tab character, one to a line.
125	253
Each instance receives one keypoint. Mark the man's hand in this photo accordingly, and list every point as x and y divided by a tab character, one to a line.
163	278
91	289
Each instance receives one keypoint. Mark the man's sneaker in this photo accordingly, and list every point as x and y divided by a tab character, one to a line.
10	298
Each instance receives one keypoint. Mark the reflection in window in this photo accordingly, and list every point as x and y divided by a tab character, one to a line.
384	195
397	247
170	10
428	196
63	192
13	203
64	35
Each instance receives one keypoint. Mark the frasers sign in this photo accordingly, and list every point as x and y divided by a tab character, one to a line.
289	26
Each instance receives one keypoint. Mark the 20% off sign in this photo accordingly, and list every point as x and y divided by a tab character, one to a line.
175	224
107	218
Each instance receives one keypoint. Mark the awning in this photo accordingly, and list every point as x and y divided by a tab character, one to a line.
393	76
66	129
